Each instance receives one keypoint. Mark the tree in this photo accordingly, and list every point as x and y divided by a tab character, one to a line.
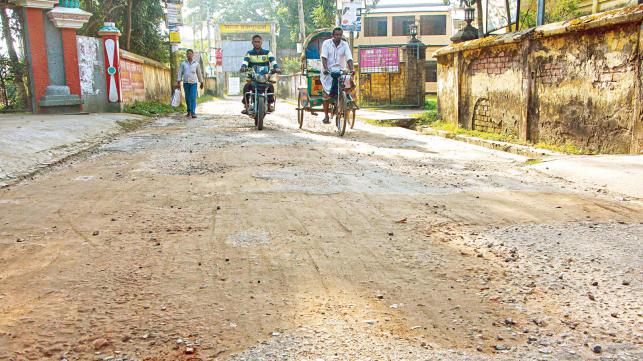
140	21
555	11
10	33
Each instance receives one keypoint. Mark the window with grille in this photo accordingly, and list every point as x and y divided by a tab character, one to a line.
402	25
433	25
376	26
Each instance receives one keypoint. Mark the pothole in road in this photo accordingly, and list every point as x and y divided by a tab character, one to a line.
248	238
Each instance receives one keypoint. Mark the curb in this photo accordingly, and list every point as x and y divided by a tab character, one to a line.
402	122
524	150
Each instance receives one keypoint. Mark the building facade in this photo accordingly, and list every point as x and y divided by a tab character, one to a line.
389	23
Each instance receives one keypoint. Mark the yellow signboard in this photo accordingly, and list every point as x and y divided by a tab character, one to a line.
245	28
175	37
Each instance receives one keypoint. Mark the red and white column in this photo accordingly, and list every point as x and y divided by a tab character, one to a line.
110	35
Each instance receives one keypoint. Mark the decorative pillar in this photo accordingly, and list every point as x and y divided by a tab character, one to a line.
110	34
36	50
68	18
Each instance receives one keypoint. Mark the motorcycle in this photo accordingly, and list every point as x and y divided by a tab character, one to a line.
257	104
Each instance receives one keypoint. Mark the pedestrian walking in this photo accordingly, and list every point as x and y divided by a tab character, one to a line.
191	75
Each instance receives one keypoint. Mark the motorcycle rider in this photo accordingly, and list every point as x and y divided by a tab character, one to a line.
336	55
262	57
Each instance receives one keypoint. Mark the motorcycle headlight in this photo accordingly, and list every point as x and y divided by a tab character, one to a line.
262	78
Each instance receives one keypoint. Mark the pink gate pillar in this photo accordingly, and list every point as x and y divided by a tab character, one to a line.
110	34
36	52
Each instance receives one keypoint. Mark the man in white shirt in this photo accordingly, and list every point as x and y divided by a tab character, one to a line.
190	74
336	55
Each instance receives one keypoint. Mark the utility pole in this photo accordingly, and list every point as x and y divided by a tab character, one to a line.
594	6
302	22
540	17
173	73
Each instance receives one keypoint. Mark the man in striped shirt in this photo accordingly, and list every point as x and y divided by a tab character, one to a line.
262	57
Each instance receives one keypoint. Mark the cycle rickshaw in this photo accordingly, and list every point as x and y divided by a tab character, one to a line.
310	98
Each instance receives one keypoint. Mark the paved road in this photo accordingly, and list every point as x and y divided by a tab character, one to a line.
205	239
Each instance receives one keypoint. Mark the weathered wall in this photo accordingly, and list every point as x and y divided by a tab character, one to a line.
575	82
585	88
91	67
144	79
491	91
448	88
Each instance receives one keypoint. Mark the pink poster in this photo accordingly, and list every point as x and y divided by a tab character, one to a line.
379	60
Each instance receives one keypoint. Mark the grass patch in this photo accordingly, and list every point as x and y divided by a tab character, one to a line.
567	148
152	109
431	118
379	123
132	124
206	98
431	102
533	161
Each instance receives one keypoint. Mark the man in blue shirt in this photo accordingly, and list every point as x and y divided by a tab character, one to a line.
262	57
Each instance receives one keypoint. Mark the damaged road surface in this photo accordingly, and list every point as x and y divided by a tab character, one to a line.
206	239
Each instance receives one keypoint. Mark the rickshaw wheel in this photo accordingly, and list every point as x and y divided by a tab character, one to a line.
342	113
351	117
300	110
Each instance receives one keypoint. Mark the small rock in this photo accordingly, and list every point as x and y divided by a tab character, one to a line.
501	348
96	233
370	322
540	323
391	234
510	322
380	296
614	314
276	334
189	350
179	341
100	343
597	349
626	282
591	296
595	283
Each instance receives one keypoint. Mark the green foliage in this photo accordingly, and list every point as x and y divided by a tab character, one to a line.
291	65
152	109
147	16
429	117
559	10
431	103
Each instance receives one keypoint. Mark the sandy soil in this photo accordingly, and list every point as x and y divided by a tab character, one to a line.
206	239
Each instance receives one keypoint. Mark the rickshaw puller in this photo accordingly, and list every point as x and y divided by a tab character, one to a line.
336	54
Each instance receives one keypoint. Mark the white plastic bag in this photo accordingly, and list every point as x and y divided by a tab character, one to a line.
176	98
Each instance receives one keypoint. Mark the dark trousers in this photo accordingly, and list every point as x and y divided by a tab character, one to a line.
248	88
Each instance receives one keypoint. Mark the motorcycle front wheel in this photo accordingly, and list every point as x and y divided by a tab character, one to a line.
260	113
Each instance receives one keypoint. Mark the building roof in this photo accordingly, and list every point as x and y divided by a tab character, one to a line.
406	6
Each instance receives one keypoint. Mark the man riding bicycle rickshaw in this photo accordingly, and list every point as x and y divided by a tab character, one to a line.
336	56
